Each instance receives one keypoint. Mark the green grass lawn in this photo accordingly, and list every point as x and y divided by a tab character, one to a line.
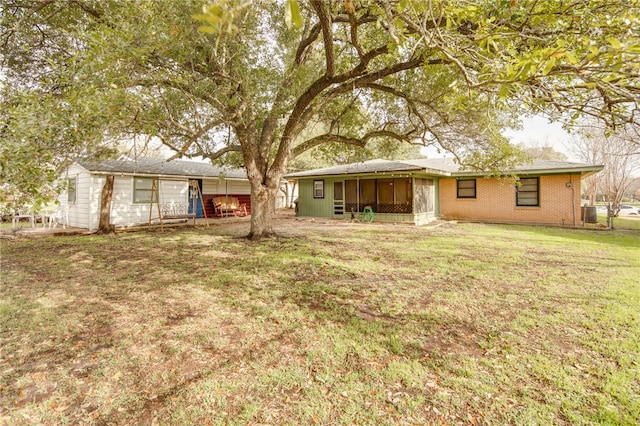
331	324
623	222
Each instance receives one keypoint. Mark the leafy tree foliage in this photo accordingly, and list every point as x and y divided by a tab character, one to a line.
39	133
544	153
263	82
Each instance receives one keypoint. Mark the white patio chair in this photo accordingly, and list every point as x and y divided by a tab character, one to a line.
61	216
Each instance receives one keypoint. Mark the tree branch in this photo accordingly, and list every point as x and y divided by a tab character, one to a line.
195	136
210	155
369	78
413	108
353	28
305	43
361	142
93	12
327	34
301	112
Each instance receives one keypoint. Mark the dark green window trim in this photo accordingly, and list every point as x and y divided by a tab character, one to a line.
466	188
142	190
528	192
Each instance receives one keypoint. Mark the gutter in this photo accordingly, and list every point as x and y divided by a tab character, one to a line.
585	171
408	172
164	177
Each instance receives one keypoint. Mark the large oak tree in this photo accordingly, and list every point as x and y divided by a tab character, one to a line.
236	83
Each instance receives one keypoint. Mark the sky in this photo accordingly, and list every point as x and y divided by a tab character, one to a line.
538	131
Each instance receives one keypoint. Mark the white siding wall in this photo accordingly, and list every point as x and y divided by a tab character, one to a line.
239	187
226	186
97	182
125	213
78	212
210	186
85	212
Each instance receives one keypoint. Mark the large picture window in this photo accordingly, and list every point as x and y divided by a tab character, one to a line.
142	190
528	192
466	188
318	189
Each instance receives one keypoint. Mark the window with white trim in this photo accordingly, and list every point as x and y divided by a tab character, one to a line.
72	190
318	189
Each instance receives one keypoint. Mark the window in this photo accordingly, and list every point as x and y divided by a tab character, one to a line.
142	190
466	188
318	189
528	193
72	190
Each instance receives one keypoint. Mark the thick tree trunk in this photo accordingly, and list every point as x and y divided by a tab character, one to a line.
264	176
263	201
105	226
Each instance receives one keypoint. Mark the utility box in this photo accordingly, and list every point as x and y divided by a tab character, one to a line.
589	214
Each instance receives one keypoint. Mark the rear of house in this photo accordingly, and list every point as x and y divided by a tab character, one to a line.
133	184
393	191
543	199
418	191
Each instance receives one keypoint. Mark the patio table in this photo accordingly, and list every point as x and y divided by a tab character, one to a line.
17	217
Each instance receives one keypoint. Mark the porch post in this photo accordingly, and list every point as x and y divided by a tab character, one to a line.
357	194
413	194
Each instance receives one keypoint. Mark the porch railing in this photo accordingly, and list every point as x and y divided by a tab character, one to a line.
380	208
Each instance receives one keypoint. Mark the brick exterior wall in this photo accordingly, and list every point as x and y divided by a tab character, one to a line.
496	201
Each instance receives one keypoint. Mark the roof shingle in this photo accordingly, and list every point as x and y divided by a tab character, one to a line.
440	166
159	167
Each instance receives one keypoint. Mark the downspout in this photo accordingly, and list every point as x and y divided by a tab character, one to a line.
436	197
573	200
413	196
357	193
413	199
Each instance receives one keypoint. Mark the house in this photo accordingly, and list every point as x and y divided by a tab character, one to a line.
133	185
419	191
